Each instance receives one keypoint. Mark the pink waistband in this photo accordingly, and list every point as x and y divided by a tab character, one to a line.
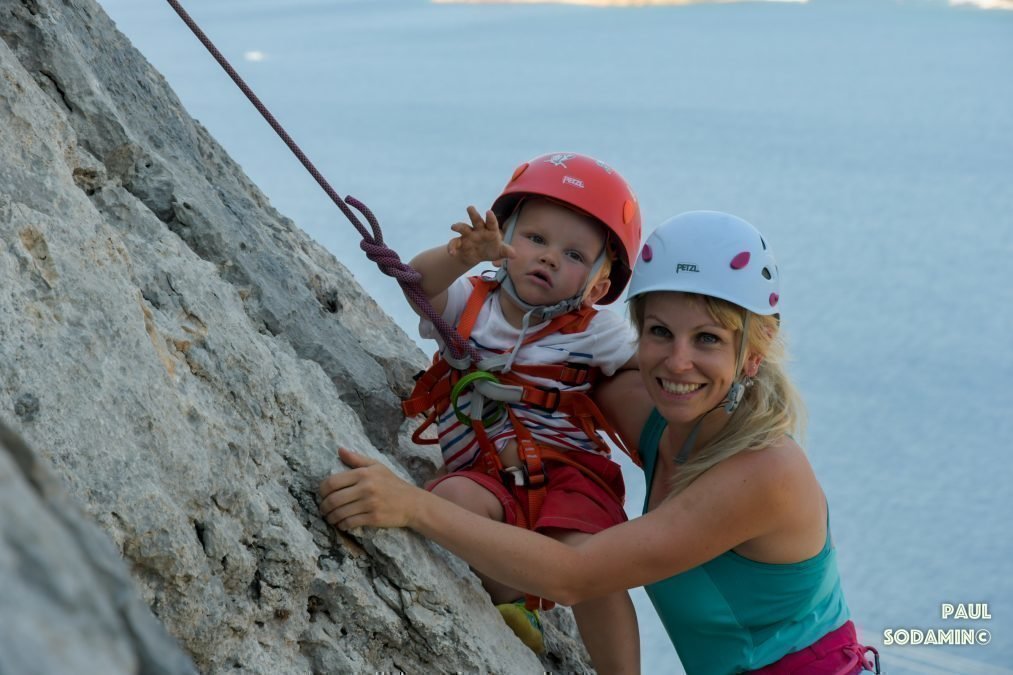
836	653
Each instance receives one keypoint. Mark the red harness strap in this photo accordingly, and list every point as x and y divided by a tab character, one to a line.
534	455
432	387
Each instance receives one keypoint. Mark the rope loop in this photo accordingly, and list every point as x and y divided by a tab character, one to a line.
374	224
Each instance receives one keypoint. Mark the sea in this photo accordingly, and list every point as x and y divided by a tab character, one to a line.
871	141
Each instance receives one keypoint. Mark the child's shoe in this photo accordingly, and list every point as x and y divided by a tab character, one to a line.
525	623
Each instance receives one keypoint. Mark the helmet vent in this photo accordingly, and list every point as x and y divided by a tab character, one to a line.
740	261
764	244
518	171
629	211
766	273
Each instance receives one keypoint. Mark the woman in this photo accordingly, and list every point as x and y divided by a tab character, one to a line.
734	546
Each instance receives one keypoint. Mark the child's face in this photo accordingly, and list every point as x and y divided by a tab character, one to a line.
687	358
556	249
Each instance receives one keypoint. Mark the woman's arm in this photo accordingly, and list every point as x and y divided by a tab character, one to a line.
742	498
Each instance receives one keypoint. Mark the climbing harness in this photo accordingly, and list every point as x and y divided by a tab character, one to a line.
372	243
444	384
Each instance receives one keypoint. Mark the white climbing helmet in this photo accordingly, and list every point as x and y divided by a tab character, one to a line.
709	253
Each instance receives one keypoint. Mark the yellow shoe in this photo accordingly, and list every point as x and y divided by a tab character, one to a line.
525	624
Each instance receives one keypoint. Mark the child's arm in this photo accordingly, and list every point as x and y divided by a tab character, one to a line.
443	265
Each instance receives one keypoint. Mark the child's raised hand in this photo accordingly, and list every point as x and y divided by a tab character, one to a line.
480	241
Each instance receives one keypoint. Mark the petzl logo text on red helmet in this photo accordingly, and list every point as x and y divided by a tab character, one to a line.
575	182
686	267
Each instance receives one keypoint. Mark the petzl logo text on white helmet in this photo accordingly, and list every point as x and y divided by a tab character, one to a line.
686	267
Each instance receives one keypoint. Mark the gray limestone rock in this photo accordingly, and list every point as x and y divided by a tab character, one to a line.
68	604
187	360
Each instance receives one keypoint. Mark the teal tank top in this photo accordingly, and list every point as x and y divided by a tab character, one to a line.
732	614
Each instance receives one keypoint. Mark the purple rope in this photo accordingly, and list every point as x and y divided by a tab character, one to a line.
372	243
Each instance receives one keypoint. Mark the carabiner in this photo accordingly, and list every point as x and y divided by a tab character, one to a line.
476	376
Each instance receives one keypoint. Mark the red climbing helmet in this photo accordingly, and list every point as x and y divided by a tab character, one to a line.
589	186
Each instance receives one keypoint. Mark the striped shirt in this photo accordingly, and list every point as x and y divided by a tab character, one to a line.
608	342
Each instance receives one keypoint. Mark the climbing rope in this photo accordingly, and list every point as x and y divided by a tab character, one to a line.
372	242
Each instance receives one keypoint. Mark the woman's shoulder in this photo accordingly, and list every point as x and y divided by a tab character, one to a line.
758	503
780	455
783	483
778	474
782	492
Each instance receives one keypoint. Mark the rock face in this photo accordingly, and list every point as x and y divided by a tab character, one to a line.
68	604
187	361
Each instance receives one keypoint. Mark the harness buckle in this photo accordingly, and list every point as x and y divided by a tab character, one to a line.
552	398
514	474
537	481
519	476
576	374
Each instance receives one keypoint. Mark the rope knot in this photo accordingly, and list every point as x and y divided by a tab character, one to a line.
389	262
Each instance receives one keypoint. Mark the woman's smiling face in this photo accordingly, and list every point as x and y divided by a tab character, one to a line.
687	358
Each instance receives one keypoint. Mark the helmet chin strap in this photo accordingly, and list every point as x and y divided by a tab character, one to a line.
538	313
738	388
731	401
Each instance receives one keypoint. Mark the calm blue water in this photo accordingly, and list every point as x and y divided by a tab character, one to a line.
871	141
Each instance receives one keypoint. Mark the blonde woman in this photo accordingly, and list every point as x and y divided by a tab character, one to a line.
734	546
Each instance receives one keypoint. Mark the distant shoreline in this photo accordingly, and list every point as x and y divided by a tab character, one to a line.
985	4
603	3
980	4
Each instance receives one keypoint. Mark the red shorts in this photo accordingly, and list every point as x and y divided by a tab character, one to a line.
572	500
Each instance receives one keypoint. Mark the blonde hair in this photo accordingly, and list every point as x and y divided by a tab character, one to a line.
771	407
606	265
